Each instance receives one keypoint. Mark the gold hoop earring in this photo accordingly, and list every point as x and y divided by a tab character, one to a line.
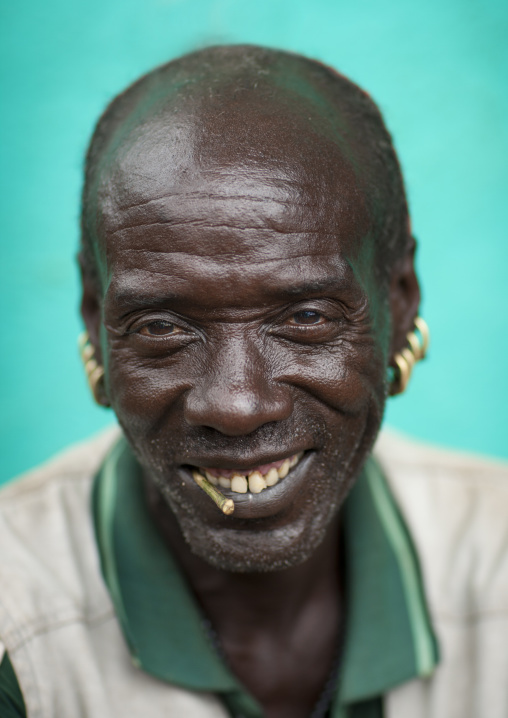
94	370
410	355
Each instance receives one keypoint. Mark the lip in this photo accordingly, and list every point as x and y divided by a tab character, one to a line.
244	466
269	502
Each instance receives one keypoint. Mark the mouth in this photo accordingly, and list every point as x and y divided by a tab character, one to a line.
254	481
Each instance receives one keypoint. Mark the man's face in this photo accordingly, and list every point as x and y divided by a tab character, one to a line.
243	327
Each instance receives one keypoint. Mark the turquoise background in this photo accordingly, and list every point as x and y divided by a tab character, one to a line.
439	72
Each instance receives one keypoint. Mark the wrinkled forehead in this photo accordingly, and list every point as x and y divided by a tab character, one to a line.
238	159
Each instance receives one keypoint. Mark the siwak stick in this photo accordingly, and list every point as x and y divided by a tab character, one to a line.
227	506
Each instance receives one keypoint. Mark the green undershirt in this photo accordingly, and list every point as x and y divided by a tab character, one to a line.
389	638
12	704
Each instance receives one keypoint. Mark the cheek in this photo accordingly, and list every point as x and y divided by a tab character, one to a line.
346	378
143	394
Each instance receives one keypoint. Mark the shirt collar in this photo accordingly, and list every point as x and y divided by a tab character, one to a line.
389	638
157	611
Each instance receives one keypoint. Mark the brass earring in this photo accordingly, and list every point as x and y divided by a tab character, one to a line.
94	370
410	355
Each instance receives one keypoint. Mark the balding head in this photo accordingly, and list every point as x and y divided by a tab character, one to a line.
243	116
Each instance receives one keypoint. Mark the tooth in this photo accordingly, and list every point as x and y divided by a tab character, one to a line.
272	477
256	483
211	478
239	484
284	469
293	461
224	482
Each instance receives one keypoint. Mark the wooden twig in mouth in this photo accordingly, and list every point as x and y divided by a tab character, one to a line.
227	506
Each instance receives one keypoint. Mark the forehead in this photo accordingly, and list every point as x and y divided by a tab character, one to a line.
206	247
234	183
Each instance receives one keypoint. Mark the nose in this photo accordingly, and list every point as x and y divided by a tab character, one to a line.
236	393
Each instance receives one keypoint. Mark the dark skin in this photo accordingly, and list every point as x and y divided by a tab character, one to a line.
240	322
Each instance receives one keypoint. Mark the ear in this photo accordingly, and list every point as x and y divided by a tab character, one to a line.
91	309
404	298
92	316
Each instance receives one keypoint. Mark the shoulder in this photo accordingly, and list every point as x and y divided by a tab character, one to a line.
455	505
48	557
401	452
76	464
43	506
455	487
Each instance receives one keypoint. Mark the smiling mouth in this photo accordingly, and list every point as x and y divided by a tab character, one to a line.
255	481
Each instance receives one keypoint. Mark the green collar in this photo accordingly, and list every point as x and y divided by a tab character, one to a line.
389	639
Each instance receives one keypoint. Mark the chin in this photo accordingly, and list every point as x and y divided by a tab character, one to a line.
255	551
262	545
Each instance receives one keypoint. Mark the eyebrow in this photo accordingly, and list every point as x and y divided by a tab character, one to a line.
128	296
319	286
132	297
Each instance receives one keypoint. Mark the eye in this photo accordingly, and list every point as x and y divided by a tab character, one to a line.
307	317
159	328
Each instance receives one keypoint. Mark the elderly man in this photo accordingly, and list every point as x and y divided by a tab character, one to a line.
250	300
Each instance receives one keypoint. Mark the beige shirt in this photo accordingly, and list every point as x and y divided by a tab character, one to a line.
64	629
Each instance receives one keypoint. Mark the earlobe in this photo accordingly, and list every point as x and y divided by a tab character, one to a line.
410	333
416	349
91	310
89	341
404	297
94	370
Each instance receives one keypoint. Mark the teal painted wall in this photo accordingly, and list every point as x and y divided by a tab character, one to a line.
439	72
